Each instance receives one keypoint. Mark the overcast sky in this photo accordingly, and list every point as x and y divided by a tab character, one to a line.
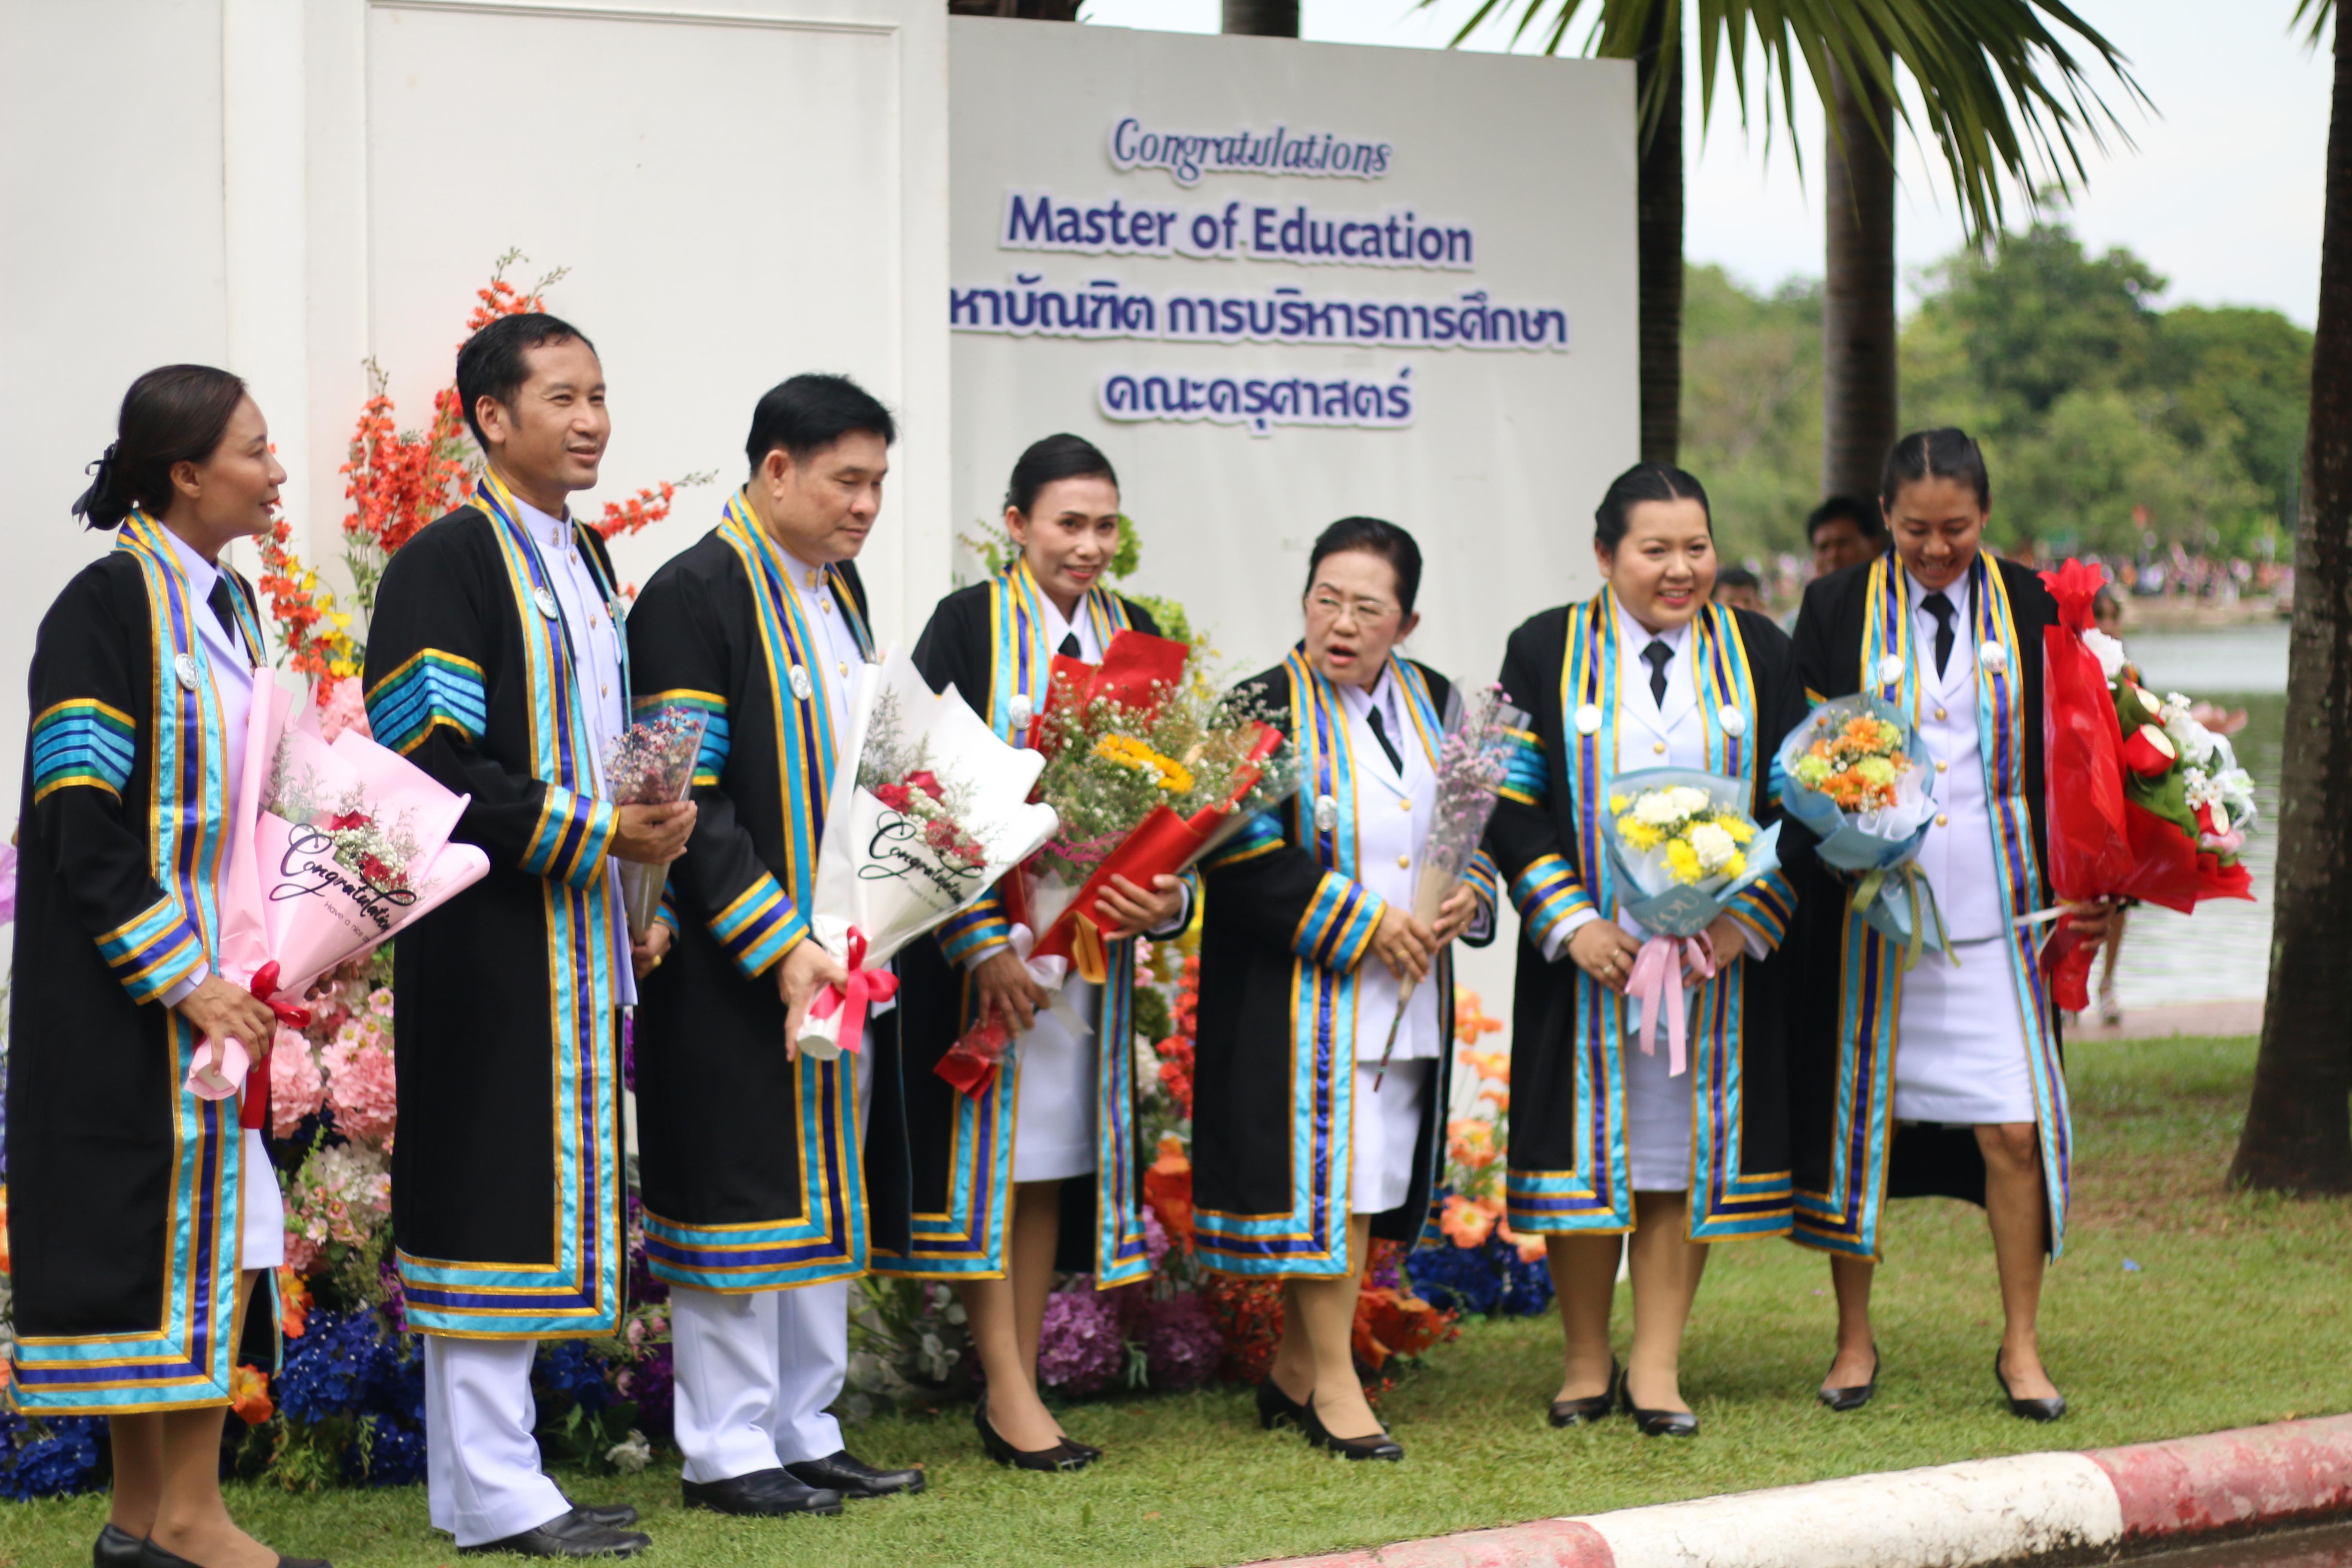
2221	192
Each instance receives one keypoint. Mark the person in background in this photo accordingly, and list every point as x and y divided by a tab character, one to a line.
1737	588
1844	532
142	1218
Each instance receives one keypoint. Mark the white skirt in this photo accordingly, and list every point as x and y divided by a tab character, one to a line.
1054	1073
1382	1131
1959	1041
262	1233
1657	1116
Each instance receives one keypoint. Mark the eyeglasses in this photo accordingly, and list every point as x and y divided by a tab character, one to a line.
1366	612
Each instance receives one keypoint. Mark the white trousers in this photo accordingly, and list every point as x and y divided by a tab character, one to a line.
755	1374
483	1482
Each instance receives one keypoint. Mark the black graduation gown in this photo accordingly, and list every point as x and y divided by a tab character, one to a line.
988	640
1568	1169
1850	1154
1284	931
124	1189
754	1171
506	1176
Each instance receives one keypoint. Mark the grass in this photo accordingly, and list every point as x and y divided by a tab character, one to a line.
2236	1313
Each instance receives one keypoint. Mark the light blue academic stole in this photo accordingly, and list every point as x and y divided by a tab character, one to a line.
1596	1194
827	1238
1333	938
1846	1218
579	1294
967	1240
186	1358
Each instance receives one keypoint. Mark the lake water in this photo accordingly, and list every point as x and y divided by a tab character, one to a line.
2222	951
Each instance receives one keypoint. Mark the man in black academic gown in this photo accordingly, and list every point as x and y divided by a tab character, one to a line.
496	664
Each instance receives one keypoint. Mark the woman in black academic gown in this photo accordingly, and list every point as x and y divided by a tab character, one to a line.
1303	1148
140	1216
1042	1163
1605	1138
1945	1078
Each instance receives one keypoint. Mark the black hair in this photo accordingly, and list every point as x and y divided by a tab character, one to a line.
1643	481
1865	518
2106	599
1063	456
175	414
494	363
1736	577
1373	537
809	413
1944	454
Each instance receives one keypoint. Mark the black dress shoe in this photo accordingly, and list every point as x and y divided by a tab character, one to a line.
154	1556
1061	1457
1586	1411
1378	1446
572	1534
1275	1407
2048	1409
762	1494
610	1515
115	1548
852	1478
1086	1451
1655	1423
1852	1398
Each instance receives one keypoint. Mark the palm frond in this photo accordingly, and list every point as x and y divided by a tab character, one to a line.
2321	13
1998	88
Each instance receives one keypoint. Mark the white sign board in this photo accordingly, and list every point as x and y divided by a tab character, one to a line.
1283	283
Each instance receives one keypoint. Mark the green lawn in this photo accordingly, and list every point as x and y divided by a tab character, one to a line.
2237	1313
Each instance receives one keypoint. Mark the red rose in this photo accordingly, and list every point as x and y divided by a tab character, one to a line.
928	782
343	822
895	796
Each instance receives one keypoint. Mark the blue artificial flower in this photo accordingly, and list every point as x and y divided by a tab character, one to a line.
1464	1278
53	1457
1526	1287
567	1368
395	1453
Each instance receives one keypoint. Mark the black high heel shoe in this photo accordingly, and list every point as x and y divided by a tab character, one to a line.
116	1548
2048	1409
1586	1411
1275	1407
1059	1458
1655	1423
1378	1446
1852	1398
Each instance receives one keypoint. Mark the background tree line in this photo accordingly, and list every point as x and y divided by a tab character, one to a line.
2094	403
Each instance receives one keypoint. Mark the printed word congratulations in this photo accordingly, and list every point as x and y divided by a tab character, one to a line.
1187	156
1282	315
1036	221
1259	402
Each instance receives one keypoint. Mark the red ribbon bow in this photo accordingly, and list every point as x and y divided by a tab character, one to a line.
850	999
255	1113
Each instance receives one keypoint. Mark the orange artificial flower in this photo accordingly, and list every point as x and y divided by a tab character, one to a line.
1466	1224
293	1303
1470	1019
1500	1095
1531	1249
1492	1067
1168	1188
248	1395
1470	1144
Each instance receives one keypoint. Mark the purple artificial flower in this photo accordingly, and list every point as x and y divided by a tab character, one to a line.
1181	1344
395	1296
1155	1236
629	1049
653	1389
1079	1349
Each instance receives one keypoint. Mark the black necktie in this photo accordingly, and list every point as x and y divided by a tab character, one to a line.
1657	655
1941	608
1380	733
1069	648
222	601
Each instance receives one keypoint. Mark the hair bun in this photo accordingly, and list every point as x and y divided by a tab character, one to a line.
99	507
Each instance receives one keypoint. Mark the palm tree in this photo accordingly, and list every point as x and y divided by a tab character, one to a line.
2298	1133
1998	90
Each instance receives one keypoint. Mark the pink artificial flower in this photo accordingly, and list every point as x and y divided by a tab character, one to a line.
7	883
361	1088
296	1088
300	1251
340	708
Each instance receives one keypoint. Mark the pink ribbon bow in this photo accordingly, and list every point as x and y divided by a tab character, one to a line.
1657	979
851	998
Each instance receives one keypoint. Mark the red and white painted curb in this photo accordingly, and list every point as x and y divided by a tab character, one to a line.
2012	1510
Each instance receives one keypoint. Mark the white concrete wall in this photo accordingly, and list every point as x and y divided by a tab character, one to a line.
740	189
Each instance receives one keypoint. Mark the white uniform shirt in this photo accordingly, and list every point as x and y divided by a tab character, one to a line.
231	668
1956	857
1393	810
594	638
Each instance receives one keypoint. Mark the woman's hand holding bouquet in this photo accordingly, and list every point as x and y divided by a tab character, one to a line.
1854	776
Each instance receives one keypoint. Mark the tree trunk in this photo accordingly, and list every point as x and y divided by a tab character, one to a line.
1658	244
1264	18
1029	10
1858	385
2298	1134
